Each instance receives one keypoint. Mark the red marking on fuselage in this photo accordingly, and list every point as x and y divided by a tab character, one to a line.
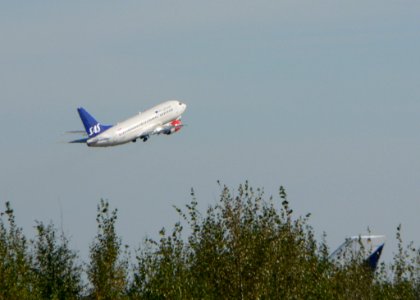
177	124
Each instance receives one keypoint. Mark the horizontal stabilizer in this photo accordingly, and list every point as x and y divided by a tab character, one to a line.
79	141
77	132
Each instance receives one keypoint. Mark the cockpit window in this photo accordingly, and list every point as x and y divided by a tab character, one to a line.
180	103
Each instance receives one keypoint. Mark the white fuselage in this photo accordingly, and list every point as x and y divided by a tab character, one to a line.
140	125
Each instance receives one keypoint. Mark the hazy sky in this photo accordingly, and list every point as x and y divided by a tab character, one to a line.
322	97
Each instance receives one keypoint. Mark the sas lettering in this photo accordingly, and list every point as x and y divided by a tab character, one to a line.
95	129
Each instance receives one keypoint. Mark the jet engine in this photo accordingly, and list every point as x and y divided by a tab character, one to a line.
169	128
173	127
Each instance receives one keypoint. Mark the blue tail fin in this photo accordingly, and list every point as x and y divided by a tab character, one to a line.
92	127
374	257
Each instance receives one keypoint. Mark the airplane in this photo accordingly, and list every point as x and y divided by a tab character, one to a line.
164	118
368	246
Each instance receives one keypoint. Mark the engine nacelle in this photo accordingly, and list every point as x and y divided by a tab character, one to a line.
173	127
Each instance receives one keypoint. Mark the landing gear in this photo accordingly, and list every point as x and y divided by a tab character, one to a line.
145	138
134	140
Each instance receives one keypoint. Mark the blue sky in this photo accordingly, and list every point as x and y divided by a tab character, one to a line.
321	97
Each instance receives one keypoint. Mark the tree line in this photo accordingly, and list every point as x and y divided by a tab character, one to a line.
245	246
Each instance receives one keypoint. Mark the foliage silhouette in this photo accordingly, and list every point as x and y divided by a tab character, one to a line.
58	275
245	246
107	271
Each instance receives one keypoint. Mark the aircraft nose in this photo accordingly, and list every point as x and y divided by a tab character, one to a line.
183	106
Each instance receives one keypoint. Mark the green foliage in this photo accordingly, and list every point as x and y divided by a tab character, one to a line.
405	270
246	247
107	272
243	247
16	277
58	276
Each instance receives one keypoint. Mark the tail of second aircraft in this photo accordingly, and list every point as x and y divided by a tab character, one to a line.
92	127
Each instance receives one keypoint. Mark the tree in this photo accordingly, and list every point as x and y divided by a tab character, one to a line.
58	275
244	247
16	277
107	270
